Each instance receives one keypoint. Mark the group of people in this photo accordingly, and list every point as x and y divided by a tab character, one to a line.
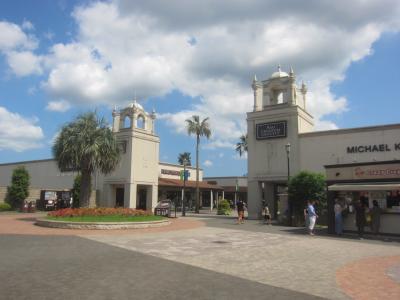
361	214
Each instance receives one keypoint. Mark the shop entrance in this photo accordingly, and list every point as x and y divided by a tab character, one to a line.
119	197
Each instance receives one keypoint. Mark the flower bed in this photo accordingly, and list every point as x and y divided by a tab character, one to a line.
99	212
102	218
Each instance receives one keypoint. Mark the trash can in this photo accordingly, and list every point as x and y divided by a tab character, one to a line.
163	208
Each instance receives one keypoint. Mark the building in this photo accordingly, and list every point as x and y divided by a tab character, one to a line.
234	187
139	181
282	142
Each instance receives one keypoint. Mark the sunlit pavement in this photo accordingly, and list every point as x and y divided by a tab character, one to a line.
216	259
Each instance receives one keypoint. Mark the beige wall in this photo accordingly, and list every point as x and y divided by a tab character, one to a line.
178	168
43	174
330	147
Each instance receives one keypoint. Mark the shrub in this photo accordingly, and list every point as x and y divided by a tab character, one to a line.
307	186
100	211
5	207
18	191
224	208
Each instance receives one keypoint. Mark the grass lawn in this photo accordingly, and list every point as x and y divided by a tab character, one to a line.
112	218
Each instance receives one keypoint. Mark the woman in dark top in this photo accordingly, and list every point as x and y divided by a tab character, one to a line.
360	218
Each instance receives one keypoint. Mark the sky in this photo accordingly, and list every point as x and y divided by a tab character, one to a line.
59	59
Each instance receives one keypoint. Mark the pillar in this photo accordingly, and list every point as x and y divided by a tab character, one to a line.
151	197
254	199
130	194
211	200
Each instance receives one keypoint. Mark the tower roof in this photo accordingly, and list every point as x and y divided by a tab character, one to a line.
279	73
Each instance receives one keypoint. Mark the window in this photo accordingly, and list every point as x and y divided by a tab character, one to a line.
140	122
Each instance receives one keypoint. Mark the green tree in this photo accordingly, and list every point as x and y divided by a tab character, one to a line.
85	145
185	156
76	190
198	128
306	186
241	146
18	191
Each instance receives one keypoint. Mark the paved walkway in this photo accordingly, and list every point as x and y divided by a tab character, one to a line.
208	253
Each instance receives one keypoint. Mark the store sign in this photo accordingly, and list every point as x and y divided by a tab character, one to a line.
377	172
170	172
373	148
271	130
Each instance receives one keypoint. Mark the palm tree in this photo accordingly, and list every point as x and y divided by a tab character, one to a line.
198	128
185	156
241	146
85	145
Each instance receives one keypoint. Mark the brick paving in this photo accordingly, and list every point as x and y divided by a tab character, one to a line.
367	279
24	224
320	266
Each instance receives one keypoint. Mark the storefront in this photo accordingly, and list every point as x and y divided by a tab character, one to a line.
365	182
282	141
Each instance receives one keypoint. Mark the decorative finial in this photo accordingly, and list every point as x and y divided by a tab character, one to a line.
279	68
115	108
255	78
303	87
291	71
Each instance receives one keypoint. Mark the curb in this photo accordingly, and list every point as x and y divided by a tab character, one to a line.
100	225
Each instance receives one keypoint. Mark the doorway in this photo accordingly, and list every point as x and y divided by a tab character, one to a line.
119	197
142	197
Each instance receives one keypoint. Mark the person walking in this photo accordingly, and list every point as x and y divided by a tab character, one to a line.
267	214
312	216
240	210
375	217
360	218
338	217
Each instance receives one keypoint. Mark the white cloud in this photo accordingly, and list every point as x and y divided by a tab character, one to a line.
208	163
18	133
24	63
12	37
59	106
27	25
208	50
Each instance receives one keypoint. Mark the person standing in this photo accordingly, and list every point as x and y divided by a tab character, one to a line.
240	210
338	217
375	217
267	214
312	216
360	218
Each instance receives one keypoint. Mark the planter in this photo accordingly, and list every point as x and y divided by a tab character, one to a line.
100	225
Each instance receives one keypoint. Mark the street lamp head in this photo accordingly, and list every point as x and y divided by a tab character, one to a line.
287	147
185	162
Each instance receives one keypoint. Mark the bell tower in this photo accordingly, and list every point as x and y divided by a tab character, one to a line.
278	117
134	183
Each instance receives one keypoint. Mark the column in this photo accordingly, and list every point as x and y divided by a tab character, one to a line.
211	200
223	194
254	199
151	197
130	194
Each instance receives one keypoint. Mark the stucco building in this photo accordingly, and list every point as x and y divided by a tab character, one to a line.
139	180
280	118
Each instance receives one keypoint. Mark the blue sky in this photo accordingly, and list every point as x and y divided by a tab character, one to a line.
62	58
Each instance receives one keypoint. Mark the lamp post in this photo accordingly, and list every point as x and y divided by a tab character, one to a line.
183	191
287	147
